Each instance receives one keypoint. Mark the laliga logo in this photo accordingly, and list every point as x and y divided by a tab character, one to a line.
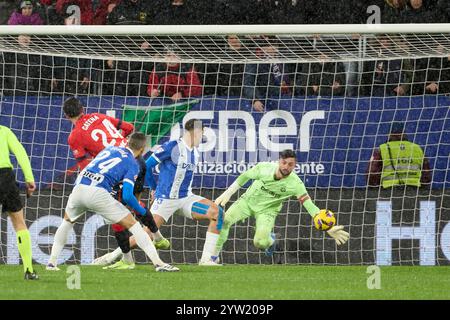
266	133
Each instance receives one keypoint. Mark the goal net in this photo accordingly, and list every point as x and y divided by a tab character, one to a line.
333	93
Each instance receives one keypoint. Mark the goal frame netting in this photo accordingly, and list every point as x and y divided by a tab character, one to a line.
304	245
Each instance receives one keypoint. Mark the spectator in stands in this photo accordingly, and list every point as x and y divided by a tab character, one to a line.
125	78
265	80
398	162
6	7
66	9
104	8
177	12
393	10
48	12
225	79
27	73
431	76
173	79
25	15
419	11
324	78
386	77
130	12
73	75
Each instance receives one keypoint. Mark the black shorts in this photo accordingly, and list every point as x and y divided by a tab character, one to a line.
9	191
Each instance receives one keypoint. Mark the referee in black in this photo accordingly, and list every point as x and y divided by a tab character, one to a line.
10	199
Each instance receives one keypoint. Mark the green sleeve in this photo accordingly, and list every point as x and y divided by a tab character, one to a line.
21	155
251	174
308	204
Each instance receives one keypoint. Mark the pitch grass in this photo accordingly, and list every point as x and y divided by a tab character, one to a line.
230	282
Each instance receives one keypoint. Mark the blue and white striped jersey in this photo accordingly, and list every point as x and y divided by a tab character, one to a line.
177	163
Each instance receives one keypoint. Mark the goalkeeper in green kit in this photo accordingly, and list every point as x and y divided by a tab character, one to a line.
273	183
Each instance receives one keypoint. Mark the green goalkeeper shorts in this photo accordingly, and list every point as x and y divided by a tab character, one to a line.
241	210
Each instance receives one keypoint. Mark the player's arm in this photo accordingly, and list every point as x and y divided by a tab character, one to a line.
128	190
79	152
336	232
250	174
126	127
22	158
162	153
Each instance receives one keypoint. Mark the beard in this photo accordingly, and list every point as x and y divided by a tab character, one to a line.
285	173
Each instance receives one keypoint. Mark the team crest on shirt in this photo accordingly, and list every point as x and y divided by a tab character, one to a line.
283	189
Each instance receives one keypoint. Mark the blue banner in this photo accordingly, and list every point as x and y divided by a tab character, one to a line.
334	138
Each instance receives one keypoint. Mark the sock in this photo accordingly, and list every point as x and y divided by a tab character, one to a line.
209	249
60	241
128	258
223	236
116	254
24	245
143	241
157	236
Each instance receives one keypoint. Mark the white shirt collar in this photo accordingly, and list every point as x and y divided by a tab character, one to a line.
185	144
130	150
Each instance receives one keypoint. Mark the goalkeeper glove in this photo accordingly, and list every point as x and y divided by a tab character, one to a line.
339	235
223	199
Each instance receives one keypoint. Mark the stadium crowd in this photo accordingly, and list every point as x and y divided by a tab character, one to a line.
32	74
99	12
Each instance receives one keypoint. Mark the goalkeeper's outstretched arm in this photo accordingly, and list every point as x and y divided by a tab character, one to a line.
336	232
223	199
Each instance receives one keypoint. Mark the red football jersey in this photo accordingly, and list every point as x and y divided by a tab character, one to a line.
94	132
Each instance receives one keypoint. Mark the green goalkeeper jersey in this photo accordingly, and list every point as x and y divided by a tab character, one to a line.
266	194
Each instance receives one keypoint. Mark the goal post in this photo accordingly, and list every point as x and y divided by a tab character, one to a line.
330	92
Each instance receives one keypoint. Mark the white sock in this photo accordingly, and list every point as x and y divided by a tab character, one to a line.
209	249
128	258
143	241
60	241
157	236
116	254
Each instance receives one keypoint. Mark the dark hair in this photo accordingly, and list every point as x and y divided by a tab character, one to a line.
397	128
137	141
288	153
192	124
72	107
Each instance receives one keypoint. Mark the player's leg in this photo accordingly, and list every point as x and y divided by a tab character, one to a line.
162	210
238	211
23	243
76	206
12	204
264	238
145	243
60	239
199	208
122	236
115	212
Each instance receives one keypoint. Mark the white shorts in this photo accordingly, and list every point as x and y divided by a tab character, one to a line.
167	207
87	198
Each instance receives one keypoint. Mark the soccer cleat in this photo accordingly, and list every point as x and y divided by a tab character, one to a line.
214	261
270	250
162	244
31	276
120	265
166	268
51	267
103	260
